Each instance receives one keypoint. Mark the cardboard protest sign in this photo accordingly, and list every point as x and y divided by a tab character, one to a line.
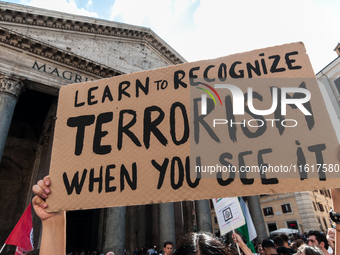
154	136
229	214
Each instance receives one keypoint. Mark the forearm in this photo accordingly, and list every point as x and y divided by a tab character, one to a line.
53	241
245	249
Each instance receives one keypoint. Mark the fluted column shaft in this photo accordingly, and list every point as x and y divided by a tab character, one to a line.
10	89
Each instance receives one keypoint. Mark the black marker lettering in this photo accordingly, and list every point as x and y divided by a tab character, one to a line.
139	86
274	68
109	178
290	61
75	184
151	126
192	76
76	104
125	129
180	168
122	90
178	81
263	165
98	179
80	122
162	169
187	174
205	74
243	174
99	134
223	162
107	94
124	173
185	136
318	148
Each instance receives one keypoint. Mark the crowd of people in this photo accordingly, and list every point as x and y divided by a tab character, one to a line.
316	243
53	240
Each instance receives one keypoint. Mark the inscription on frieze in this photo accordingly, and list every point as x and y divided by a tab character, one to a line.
65	74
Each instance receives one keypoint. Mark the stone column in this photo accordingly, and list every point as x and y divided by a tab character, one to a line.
257	216
10	89
115	230
203	216
141	226
187	214
166	224
305	206
133	218
100	230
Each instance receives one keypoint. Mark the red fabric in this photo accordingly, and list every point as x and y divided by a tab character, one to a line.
21	234
20	251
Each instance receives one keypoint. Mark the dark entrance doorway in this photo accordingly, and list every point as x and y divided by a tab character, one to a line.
82	231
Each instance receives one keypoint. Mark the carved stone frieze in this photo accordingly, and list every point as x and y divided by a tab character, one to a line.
11	85
9	15
36	47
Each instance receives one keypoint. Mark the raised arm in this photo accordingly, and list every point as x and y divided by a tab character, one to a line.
237	239
53	240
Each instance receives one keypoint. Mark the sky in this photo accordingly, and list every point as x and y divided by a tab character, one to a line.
205	29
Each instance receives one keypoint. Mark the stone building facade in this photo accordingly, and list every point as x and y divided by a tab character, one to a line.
40	51
329	76
304	211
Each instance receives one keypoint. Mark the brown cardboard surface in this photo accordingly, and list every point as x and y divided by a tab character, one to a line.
117	143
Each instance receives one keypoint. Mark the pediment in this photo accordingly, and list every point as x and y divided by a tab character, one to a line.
122	47
45	67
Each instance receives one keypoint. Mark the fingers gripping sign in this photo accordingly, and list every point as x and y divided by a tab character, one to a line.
41	191
53	239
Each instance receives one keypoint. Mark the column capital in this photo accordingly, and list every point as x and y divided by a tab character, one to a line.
11	84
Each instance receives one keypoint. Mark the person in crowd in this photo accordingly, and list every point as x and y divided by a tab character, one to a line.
331	237
168	248
309	250
53	241
232	250
286	244
260	250
200	243
293	245
151	251
304	237
316	239
278	241
110	253
142	251
299	243
269	247
239	241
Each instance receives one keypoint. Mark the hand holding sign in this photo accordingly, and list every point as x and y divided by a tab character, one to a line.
53	241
